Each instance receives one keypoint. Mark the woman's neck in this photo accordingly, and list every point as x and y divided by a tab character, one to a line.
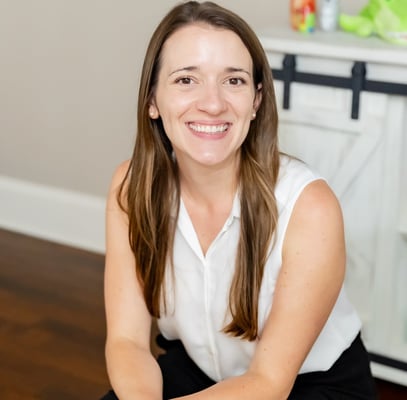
209	186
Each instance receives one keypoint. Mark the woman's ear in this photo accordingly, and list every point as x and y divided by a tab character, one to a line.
258	97
153	111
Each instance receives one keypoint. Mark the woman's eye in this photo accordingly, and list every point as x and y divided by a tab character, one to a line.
235	81
184	80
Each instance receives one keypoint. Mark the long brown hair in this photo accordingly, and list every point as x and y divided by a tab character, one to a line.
150	191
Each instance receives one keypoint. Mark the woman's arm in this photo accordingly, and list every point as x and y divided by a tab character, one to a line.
307	288
132	369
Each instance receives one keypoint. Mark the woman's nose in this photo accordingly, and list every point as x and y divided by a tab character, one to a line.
211	99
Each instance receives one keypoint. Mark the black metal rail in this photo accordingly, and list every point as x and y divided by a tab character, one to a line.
389	362
357	82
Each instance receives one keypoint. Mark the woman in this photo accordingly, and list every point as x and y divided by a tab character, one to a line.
236	249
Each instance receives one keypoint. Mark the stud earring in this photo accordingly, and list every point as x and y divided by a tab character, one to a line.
254	115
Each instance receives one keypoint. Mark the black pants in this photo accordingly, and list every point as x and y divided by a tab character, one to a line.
349	378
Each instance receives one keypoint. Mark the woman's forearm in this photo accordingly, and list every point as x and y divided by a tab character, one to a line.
133	372
246	387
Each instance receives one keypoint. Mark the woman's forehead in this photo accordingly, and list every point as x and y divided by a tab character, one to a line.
198	45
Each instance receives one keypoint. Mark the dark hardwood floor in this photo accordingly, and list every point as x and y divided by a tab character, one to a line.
52	326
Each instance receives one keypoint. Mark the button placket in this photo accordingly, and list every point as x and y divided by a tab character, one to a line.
212	350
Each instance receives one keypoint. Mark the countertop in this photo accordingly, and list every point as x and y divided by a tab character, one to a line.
335	45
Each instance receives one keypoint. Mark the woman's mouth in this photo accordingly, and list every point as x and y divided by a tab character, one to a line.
209	129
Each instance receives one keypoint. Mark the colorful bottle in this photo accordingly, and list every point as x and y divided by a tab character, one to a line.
303	15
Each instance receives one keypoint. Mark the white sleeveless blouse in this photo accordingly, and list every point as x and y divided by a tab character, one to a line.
197	297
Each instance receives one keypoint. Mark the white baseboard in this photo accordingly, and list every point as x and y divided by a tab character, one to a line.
54	214
389	374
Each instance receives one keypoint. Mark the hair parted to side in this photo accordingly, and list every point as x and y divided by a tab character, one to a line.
150	191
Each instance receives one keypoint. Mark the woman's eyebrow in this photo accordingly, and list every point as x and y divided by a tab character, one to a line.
194	68
237	69
182	69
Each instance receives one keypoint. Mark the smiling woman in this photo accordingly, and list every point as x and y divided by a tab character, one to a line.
236	249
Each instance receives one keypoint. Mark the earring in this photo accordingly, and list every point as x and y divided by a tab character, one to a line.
151	113
254	115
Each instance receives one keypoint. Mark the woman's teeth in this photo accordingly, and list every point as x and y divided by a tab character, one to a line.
211	129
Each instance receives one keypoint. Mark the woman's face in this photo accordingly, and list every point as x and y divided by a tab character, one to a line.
205	94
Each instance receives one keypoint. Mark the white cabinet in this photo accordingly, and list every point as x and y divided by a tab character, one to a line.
365	162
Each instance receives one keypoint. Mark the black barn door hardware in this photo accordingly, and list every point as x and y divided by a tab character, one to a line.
357	82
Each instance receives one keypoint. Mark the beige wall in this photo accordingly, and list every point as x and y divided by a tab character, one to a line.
68	83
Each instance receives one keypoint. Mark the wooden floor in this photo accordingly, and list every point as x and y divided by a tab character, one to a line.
52	326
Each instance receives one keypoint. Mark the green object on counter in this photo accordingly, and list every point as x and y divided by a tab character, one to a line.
384	18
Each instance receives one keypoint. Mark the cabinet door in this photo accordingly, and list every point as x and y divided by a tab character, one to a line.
361	160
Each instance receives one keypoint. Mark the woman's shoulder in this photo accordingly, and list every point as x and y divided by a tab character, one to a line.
120	172
294	176
294	171
119	175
